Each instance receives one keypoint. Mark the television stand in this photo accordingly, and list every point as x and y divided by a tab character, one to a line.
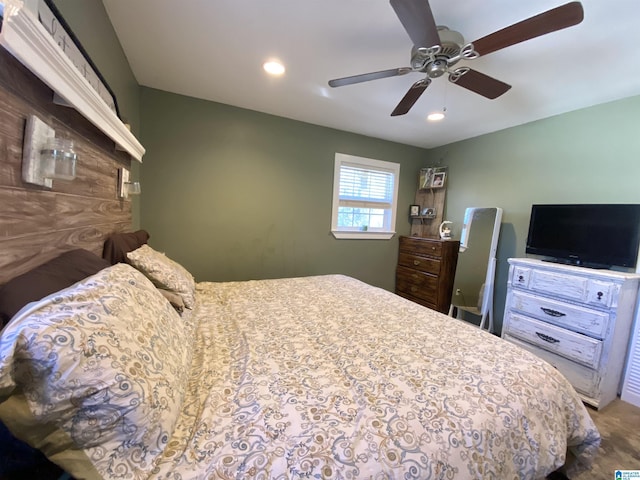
578	319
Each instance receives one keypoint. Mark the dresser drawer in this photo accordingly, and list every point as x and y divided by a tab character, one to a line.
572	287
422	246
520	276
583	379
575	346
417	262
591	322
567	286
417	284
424	303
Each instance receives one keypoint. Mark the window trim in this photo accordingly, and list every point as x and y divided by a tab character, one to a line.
373	164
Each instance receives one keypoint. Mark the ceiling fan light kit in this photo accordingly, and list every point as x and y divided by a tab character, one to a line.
435	116
437	49
273	67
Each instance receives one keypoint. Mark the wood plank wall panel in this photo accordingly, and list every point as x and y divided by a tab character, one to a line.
37	224
429	227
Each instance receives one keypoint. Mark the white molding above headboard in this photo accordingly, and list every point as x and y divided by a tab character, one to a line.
27	40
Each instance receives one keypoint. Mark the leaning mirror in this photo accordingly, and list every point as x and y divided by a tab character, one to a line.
472	297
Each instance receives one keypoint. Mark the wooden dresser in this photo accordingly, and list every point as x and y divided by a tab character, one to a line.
426	268
578	319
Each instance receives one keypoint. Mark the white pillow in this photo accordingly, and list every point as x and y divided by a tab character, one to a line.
164	273
94	375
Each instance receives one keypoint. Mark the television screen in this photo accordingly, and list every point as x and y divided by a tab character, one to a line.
591	235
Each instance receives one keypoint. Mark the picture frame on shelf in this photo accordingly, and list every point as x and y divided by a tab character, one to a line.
414	210
439	179
432	177
429	212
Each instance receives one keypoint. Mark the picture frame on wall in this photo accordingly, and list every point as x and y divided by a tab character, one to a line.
432	177
438	179
414	210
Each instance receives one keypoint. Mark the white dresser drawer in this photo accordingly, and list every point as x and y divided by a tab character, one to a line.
575	346
580	319
572	287
583	379
601	293
554	283
521	276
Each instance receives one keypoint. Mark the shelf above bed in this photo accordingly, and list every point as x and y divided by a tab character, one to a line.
26	39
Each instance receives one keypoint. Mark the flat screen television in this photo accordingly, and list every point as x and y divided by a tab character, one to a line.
590	235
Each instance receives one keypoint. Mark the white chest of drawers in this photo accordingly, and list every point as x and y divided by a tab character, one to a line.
578	319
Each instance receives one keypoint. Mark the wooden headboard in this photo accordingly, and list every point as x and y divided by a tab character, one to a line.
37	224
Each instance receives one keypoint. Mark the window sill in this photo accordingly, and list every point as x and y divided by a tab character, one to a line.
355	235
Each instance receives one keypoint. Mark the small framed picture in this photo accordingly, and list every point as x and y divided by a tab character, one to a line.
414	210
429	212
438	179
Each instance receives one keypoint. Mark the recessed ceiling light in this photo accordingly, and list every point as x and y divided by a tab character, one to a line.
435	117
273	67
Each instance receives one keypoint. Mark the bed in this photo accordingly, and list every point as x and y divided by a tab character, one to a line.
135	371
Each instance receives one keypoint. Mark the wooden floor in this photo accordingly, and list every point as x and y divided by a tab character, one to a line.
619	426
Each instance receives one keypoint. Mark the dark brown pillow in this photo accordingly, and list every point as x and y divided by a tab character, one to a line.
117	245
56	274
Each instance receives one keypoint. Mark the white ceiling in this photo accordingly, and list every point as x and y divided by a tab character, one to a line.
214	50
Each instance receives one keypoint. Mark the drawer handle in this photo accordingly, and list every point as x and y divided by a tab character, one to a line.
547	338
416	262
414	289
552	313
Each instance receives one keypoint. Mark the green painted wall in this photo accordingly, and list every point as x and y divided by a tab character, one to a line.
587	156
234	194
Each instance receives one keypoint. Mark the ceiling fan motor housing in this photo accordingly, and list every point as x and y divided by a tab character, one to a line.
434	61
450	40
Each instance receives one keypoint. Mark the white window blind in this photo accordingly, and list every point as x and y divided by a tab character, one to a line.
365	194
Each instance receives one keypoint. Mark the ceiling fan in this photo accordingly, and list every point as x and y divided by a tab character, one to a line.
436	49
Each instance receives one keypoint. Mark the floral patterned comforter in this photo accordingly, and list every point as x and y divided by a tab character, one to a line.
327	377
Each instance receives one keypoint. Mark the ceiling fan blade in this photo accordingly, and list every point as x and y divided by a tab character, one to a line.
550	21
418	21
411	97
479	83
365	77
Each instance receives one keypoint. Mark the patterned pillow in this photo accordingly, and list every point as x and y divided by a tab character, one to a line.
164	273
94	375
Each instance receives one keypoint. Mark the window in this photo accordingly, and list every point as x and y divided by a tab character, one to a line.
365	194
